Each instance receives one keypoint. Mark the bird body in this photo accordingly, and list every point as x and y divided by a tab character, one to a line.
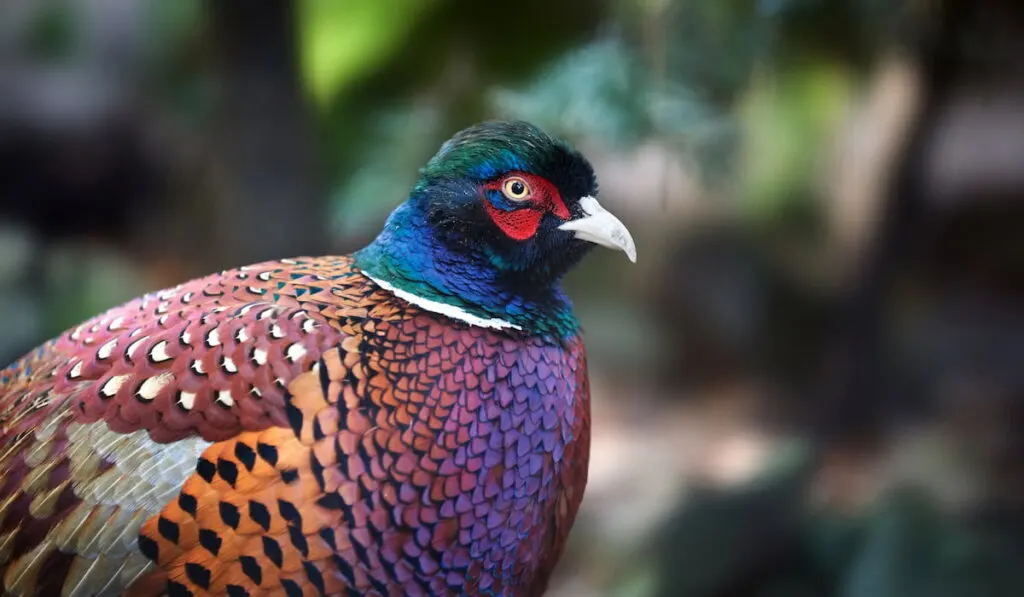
409	420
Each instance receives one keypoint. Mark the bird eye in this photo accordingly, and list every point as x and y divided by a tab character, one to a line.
516	189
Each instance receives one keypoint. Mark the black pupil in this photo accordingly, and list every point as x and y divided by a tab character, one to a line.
518	188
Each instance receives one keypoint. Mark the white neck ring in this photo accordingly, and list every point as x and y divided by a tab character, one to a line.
440	308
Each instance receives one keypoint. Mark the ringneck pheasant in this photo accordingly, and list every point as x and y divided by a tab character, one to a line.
412	419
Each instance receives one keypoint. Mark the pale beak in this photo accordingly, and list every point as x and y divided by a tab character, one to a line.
600	227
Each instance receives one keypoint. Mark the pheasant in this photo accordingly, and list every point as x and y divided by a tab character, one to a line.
411	419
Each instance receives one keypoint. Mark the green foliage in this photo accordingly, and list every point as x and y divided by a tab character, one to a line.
603	92
171	36
770	78
382	123
900	545
720	537
596	91
763	540
405	140
86	282
169	24
788	120
51	33
345	39
912	549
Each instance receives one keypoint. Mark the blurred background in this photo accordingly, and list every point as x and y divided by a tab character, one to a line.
812	382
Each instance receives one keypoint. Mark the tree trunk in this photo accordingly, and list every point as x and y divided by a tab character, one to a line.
269	204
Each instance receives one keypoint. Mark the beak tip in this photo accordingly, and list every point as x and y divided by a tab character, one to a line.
601	227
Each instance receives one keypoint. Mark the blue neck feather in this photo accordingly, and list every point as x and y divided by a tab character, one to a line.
409	255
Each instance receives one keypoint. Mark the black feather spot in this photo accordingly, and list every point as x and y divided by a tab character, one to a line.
375	533
327	534
315	577
381	587
237	591
267	452
364	455
350	375
198	574
228	471
167	529
294	415
229	514
273	551
423	584
206	469
149	548
341	459
318	473
210	540
252	569
245	455
188	503
361	552
292	588
176	589
259	514
325	379
289	475
289	512
345	568
331	501
298	539
389	568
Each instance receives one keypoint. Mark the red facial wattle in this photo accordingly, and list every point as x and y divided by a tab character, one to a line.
522	223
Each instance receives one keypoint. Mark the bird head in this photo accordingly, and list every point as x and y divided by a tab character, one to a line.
529	199
496	218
